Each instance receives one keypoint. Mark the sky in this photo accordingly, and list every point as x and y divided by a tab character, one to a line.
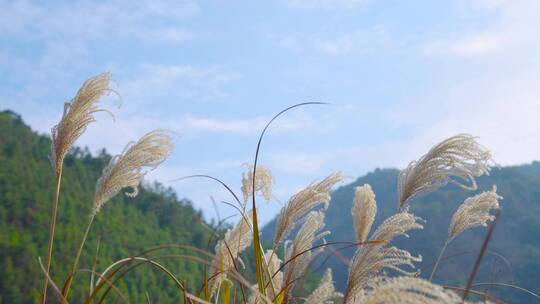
398	77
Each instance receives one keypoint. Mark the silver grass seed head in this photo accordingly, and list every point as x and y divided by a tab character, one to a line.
128	169
406	290
363	211
77	115
397	225
370	260
457	158
474	212
228	249
264	182
274	263
301	203
298	253
326	291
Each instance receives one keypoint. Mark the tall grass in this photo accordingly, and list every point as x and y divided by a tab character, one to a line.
300	229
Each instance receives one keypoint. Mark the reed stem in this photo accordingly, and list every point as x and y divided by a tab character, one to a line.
438	259
77	258
52	227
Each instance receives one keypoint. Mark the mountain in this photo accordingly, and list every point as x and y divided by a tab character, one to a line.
514	251
124	227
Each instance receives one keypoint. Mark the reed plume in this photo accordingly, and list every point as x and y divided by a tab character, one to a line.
302	202
458	157
363	211
326	291
123	171
228	250
406	290
473	212
264	182
298	253
368	261
126	170
78	114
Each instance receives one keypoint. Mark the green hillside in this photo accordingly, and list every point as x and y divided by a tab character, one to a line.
125	226
516	238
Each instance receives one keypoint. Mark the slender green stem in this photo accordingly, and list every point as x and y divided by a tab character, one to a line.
439	259
54	212
77	258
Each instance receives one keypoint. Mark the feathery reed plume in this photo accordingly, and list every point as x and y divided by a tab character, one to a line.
264	182
458	157
78	114
368	261
298	253
302	202
126	170
474	212
326	291
363	211
406	290
228	250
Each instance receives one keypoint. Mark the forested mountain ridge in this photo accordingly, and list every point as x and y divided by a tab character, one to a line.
124	227
514	251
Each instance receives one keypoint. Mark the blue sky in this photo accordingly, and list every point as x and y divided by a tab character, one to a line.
399	77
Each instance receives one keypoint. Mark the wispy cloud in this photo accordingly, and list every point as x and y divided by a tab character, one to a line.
468	46
374	40
90	21
179	83
326	4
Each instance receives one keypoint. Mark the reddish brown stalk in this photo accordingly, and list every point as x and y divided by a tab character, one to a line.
480	256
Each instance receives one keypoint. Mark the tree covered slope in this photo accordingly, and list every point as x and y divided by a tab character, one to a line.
124	227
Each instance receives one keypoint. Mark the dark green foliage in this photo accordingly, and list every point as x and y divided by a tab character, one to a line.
125	225
517	236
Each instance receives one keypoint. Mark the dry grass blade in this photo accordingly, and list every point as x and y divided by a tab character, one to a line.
55	287
325	291
77	115
363	211
458	157
126	170
264	182
257	246
301	203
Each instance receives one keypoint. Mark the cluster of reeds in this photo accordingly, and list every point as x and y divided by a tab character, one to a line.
300	230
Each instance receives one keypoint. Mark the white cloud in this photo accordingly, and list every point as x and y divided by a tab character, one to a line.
471	45
90	21
296	162
326	4
179	82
